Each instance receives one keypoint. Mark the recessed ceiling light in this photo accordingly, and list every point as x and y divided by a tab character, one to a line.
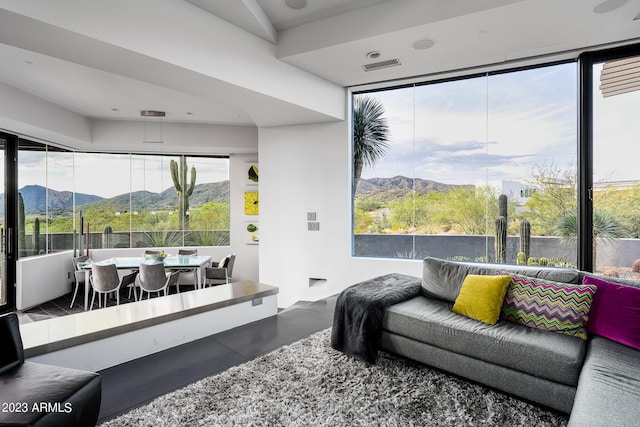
609	6
189	113
115	109
374	54
152	113
423	44
296	4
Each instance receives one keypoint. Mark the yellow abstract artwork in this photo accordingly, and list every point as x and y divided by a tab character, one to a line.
251	203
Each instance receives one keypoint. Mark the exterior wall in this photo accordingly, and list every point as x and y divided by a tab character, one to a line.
451	247
620	252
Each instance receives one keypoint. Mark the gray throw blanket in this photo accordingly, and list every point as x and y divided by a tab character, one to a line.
357	320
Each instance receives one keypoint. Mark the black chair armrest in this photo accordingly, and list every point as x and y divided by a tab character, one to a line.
215	273
12	354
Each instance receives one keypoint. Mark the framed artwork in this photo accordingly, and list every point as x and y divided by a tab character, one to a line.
251	203
252	235
251	173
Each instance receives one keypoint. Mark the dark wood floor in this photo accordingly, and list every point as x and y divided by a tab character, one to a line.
135	383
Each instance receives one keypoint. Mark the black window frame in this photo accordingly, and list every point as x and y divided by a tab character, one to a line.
584	68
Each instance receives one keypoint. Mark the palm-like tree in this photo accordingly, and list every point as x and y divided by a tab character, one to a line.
370	134
605	227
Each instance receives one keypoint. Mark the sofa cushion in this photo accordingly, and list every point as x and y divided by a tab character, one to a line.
609	389
12	353
52	395
549	355
443	279
481	297
615	312
619	280
549	305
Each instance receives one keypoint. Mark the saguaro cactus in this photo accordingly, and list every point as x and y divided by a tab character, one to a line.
22	238
501	240
503	205
525	238
107	236
35	237
184	190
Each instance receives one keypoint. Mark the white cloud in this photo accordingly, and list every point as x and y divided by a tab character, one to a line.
498	127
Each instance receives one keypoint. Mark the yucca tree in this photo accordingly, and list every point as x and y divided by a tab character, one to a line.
605	227
370	134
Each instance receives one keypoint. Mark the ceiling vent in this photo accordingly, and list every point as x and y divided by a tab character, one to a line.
382	64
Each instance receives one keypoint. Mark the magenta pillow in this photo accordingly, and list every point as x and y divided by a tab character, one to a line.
615	312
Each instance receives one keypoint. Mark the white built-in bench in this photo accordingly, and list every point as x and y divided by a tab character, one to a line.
99	339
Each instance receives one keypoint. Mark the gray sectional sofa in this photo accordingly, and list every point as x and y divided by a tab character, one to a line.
597	381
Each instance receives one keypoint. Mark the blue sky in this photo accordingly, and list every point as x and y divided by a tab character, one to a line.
509	122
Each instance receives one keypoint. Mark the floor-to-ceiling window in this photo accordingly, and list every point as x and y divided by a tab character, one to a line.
3	229
8	220
71	200
481	168
616	176
45	199
53	199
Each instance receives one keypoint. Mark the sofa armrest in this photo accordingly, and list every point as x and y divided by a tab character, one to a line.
12	354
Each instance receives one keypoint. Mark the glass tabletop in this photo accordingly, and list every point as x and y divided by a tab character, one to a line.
170	261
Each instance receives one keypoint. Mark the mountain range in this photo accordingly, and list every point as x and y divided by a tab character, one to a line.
35	198
398	187
383	189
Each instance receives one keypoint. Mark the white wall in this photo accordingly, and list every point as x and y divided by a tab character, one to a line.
33	287
188	138
26	114
247	256
307	168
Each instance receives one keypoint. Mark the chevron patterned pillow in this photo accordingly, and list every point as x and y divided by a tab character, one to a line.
548	305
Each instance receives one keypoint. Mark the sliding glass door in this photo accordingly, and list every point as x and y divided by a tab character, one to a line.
3	227
7	222
616	175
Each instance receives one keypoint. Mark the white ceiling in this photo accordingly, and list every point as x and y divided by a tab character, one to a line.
258	62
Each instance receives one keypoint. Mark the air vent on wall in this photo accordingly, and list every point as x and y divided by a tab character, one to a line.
381	64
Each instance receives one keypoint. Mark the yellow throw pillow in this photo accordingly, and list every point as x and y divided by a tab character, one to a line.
481	297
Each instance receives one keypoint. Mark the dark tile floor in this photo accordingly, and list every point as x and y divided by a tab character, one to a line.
135	383
62	306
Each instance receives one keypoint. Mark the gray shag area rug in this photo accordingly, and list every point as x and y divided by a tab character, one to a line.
308	383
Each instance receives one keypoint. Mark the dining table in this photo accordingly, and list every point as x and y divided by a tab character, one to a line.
195	262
